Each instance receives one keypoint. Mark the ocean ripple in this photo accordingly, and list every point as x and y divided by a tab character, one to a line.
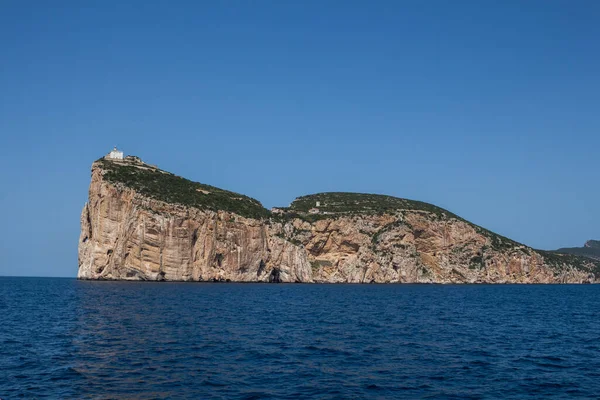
62	338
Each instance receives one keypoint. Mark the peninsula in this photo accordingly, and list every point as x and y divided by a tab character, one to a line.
143	223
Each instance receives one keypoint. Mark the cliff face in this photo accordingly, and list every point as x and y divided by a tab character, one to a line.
125	235
130	233
592	244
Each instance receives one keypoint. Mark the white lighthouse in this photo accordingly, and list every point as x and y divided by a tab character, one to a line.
115	154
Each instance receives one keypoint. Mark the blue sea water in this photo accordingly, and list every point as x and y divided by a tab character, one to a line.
62	338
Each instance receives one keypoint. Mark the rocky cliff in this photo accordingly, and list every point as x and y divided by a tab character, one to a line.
142	223
592	244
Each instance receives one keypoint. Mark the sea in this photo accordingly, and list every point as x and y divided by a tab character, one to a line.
69	339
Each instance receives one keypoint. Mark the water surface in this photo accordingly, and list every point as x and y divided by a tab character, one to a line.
62	338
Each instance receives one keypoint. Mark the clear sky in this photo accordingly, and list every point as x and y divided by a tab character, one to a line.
490	109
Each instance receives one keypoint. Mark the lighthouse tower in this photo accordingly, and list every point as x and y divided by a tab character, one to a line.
115	154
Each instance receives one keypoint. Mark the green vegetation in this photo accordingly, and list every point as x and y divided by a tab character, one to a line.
557	261
161	185
577	257
590	252
289	214
594	244
318	264
498	242
361	203
336	204
477	262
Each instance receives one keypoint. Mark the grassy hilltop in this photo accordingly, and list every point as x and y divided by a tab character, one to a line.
165	186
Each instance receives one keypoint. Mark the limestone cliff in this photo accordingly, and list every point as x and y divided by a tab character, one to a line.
142	223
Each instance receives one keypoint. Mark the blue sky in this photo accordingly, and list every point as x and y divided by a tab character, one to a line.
487	108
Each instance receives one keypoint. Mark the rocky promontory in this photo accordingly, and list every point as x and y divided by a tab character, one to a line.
143	223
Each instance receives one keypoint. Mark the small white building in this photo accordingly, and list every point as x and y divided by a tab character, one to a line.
115	154
318	204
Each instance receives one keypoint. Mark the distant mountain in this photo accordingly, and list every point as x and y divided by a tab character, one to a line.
594	244
590	249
